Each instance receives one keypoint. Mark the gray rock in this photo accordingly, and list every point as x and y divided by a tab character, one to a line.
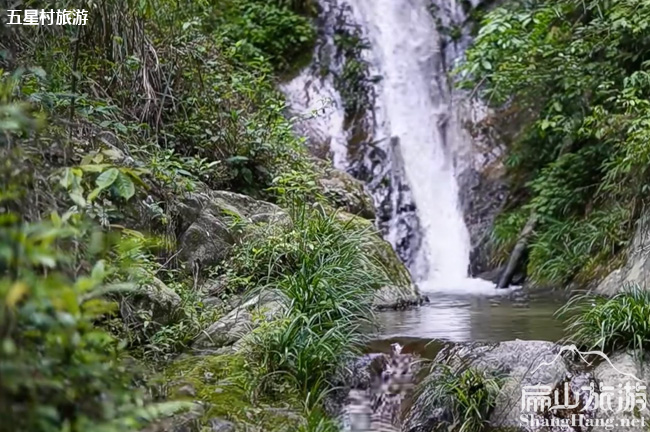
156	301
211	224
347	193
515	361
188	421
221	425
612	377
206	242
186	390
240	321
637	267
483	192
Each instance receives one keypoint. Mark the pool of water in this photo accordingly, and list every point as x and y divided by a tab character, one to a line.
472	317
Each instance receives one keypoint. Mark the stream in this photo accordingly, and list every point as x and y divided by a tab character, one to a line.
450	317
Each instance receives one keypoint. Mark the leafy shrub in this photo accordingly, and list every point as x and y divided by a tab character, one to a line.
575	248
58	370
275	30
505	233
466	395
610	324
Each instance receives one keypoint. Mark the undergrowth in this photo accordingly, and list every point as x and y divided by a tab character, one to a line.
327	282
577	71
102	127
610	324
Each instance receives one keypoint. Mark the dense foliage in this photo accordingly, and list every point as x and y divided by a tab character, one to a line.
102	129
577	71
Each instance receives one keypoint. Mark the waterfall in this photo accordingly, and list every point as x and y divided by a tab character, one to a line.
413	135
415	101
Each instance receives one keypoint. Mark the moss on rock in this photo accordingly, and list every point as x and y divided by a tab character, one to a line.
227	389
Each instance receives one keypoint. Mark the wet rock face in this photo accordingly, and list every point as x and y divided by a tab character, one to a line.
481	198
637	267
345	128
480	175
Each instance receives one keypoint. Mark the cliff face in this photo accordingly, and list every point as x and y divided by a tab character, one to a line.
336	99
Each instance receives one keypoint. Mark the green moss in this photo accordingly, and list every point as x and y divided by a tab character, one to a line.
228	388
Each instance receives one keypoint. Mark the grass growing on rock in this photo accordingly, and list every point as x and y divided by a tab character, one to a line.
609	324
328	282
318	264
466	394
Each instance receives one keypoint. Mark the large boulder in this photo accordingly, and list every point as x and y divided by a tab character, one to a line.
347	193
152	304
516	362
637	267
401	291
242	320
211	223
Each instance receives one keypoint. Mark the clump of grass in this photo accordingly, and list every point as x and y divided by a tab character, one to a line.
618	323
328	282
463	398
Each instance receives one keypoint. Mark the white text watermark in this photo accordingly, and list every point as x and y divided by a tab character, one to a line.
45	17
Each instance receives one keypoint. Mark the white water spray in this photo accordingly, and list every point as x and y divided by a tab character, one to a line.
413	111
415	107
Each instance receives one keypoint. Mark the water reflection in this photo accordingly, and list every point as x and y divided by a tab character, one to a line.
468	317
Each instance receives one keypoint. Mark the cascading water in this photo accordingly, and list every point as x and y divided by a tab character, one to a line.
416	108
413	133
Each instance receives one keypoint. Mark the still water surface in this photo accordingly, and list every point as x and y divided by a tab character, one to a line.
465	317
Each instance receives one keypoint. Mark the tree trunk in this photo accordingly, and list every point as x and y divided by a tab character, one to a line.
517	252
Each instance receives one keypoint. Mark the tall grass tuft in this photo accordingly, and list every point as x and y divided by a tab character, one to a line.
618	323
328	282
459	398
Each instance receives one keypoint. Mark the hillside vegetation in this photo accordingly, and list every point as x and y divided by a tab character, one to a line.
577	72
109	132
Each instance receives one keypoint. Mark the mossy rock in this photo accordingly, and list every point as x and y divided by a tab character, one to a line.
401	291
347	193
228	392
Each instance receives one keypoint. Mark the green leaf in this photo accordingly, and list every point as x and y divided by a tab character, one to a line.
67	178
78	199
107	178
99	271
124	186
94	194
